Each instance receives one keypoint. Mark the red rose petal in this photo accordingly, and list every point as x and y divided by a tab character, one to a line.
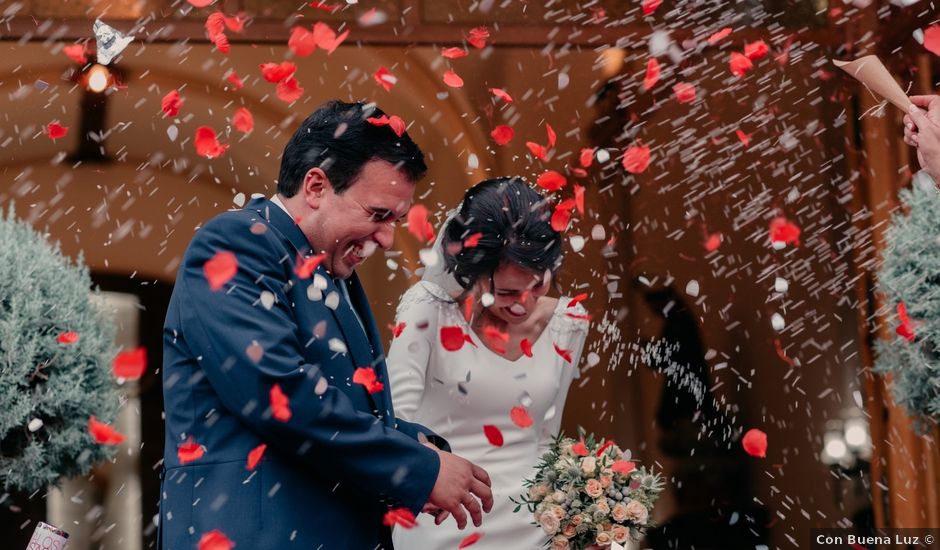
190	451
755	443
418	224
501	94
55	130
577	300
756	50
502	134
454	53
714	38
538	151
739	64
402	517
636	159
526	346
289	90
220	269
207	144
76	52
103	433
745	138
171	103
235	80
277	72
254	456
551	181
384	78
398	329
579	448
301	42
452	338
652	74
493	435
243	121
587	157
579	198
470	540
200	3
215	540
69	337
520	417
306	266
237	23
472	240
397	125
130	364
561	217
685	92
452	79
623	467
326	38
932	39
478	36
552	138
784	231
713	242
649	6
906	328
280	406
365	376
564	353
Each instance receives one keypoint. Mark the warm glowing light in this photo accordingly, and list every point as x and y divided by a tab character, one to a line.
836	449
98	78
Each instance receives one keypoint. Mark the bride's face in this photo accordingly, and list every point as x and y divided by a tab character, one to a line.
515	291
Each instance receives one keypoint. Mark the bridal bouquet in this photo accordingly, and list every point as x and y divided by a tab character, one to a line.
588	493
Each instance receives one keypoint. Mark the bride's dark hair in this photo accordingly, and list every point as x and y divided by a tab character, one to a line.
513	223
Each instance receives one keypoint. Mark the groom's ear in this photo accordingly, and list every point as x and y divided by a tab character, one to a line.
314	187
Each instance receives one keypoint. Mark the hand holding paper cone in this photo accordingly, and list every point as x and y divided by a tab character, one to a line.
872	73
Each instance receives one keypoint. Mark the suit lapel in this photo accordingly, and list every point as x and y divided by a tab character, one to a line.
360	301
357	344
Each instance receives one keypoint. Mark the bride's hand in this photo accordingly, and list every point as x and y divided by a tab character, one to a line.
439	514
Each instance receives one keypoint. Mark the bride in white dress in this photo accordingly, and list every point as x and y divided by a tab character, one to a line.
499	398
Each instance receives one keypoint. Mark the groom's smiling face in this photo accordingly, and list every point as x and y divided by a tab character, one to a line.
348	227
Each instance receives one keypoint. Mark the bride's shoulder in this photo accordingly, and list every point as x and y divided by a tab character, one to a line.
424	294
566	317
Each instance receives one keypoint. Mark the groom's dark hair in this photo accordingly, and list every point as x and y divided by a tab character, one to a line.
339	139
511	222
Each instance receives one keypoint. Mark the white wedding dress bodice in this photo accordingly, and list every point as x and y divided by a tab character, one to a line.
456	393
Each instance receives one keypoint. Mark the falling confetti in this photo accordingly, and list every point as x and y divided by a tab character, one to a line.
243	121
502	134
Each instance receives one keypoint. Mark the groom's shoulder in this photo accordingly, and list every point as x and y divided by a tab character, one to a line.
242	222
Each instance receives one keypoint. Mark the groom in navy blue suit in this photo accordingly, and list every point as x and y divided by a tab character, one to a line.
271	351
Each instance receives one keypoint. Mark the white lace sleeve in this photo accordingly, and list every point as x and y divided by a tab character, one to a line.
569	333
411	352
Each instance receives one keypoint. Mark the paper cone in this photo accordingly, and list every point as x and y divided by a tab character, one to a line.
872	73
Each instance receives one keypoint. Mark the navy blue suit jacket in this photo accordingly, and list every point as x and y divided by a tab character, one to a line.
340	462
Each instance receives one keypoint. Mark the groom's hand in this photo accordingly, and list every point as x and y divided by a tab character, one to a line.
459	485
